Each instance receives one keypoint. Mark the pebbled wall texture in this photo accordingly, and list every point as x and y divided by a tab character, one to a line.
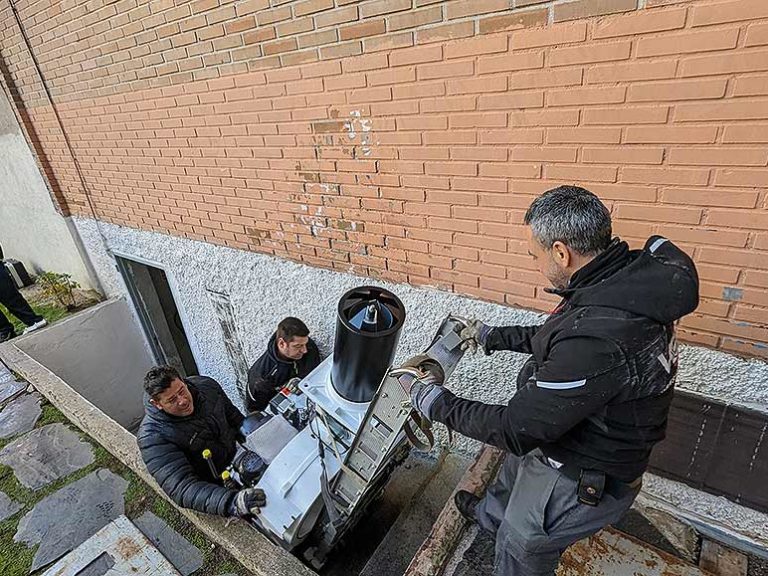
403	139
263	289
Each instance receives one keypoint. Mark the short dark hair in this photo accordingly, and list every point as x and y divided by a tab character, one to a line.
572	215
289	328
159	378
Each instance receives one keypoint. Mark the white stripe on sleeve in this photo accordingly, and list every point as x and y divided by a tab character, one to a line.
561	385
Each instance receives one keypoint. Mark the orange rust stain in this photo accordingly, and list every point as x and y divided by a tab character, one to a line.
127	547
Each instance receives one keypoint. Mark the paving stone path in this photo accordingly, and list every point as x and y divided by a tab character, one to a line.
46	454
20	415
68	517
184	556
9	388
8	507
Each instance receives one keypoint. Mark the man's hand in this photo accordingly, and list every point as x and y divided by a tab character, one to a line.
248	502
424	392
474	335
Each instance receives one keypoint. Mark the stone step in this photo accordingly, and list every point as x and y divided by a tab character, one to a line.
416	520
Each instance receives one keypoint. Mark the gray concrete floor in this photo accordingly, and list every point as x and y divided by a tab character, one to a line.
397	523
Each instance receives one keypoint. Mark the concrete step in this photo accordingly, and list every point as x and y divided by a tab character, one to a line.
421	483
416	520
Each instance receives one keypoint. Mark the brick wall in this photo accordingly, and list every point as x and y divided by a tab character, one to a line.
404	139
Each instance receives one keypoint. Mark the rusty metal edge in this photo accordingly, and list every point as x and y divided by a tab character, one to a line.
431	557
247	545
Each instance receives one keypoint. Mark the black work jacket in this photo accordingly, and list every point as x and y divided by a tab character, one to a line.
596	390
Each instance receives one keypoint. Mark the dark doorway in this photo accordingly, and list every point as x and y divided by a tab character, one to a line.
153	298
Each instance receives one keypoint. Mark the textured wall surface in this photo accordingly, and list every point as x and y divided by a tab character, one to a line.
31	230
379	138
265	289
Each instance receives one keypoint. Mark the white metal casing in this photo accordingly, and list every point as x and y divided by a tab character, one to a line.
292	482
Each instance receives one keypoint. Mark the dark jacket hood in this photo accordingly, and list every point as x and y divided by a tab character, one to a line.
659	282
272	350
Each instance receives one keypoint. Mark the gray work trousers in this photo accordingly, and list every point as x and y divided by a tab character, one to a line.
533	510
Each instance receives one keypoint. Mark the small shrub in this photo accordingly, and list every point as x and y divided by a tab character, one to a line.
59	287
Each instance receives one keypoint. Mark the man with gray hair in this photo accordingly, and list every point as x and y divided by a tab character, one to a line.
593	397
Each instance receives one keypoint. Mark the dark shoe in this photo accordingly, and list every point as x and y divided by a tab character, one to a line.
466	502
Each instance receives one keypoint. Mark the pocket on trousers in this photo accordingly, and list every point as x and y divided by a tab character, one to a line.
562	503
523	523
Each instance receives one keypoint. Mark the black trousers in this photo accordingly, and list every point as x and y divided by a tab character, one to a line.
11	298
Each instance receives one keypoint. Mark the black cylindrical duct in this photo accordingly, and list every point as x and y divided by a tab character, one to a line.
368	327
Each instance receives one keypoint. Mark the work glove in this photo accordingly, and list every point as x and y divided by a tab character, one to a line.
248	502
474	335
423	394
422	391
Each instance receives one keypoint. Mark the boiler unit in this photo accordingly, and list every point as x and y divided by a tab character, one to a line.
332	440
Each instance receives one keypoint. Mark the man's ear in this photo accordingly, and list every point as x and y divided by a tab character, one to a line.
155	403
561	254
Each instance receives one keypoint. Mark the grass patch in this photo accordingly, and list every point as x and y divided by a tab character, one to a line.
16	558
51	312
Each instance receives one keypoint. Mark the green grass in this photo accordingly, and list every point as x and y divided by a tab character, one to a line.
51	312
16	558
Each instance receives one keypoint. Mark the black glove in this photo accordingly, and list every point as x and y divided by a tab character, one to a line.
248	502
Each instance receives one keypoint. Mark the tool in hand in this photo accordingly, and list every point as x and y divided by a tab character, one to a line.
208	457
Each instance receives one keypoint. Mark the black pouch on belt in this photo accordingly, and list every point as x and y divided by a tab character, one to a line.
591	487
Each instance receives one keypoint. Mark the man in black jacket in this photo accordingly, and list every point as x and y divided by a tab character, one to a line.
290	353
11	298
183	419
593	397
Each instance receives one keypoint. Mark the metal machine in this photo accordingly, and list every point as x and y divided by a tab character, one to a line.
333	439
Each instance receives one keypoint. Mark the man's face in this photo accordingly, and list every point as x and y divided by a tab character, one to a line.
294	349
551	262
175	400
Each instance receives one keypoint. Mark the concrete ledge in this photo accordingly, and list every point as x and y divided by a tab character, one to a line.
431	557
246	544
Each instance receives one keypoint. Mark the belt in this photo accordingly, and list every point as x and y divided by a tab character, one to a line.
612	485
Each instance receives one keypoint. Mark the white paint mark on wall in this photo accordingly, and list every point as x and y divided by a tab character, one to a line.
363	125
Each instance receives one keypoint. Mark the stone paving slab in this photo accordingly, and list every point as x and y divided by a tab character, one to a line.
184	556
20	415
118	549
9	388
100	566
607	553
8	507
5	373
46	454
68	517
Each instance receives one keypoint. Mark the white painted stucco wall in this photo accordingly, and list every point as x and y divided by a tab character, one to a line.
264	289
31	230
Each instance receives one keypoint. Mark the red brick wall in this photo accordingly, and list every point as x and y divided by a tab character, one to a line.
377	137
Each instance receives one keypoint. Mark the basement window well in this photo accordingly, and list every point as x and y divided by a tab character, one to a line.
103	352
